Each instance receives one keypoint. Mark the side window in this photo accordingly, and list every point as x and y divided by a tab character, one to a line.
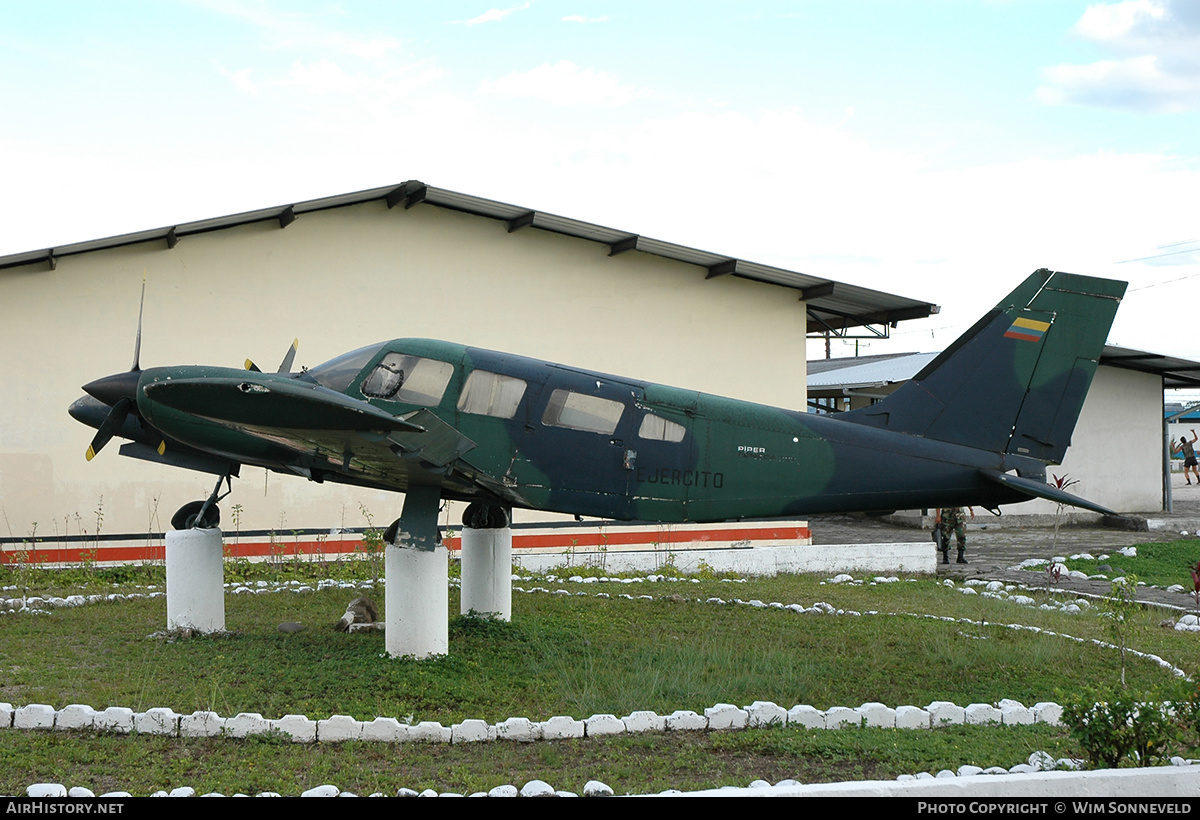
491	394
409	379
656	428
582	412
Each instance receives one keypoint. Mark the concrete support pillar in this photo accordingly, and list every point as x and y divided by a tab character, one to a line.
195	580
487	572
417	598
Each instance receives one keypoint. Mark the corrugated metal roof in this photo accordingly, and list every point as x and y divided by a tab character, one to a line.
850	372
830	304
867	371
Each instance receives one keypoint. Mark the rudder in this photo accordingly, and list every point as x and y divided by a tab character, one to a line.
1015	382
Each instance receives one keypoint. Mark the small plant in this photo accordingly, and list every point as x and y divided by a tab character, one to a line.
1196	584
99	511
1063	482
1120	606
1054	572
1114	725
372	545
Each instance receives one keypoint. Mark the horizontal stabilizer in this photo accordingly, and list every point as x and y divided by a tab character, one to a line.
1040	489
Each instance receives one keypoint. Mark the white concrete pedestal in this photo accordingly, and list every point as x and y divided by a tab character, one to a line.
195	580
487	573
415	601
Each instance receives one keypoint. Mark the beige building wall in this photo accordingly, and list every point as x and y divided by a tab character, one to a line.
338	280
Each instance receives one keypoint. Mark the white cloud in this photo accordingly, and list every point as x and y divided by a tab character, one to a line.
496	15
241	80
564	83
1117	21
1145	83
579	18
1161	73
297	30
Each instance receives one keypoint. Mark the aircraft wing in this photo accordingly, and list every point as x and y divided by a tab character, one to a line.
325	435
1040	489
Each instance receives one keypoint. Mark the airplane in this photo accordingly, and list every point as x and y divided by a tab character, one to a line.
976	427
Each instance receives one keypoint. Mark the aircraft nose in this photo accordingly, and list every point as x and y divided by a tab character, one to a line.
112	389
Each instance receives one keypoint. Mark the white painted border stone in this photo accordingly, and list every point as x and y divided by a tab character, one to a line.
912	717
601	725
945	713
387	730
75	716
247	724
765	713
644	721
34	716
842	717
521	730
685	720
337	728
158	720
807	716
562	727
472	731
201	724
977	714
429	731
877	715
724	716
299	728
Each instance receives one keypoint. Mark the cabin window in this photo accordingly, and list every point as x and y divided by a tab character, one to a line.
408	379
491	394
656	428
579	411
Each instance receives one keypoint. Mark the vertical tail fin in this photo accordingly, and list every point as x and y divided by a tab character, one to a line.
1015	382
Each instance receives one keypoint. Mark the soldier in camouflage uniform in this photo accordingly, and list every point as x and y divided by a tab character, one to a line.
953	519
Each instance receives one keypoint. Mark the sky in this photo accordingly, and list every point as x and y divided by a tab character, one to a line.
936	149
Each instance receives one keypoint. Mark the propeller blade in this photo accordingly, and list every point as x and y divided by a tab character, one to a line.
137	344
115	418
289	357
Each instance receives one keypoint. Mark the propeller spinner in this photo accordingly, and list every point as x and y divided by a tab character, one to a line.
119	392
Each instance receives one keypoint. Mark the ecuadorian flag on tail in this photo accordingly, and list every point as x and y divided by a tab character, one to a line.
1027	330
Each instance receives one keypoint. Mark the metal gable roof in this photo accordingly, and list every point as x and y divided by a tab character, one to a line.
831	306
825	374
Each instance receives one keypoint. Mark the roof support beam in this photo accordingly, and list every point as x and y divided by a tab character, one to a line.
408	195
172	239
816	324
287	216
722	269
629	243
817	291
522	221
50	260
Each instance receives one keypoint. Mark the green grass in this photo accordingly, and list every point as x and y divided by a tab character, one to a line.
630	764
561	655
1160	564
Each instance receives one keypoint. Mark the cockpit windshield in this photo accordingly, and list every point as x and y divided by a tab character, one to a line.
338	374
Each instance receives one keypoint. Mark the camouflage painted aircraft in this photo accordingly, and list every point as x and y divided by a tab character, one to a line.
976	427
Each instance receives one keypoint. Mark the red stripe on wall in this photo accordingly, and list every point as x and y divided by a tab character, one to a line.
313	548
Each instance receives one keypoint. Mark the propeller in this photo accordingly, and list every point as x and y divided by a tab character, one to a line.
285	366
119	392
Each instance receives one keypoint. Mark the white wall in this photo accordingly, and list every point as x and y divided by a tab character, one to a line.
1116	450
